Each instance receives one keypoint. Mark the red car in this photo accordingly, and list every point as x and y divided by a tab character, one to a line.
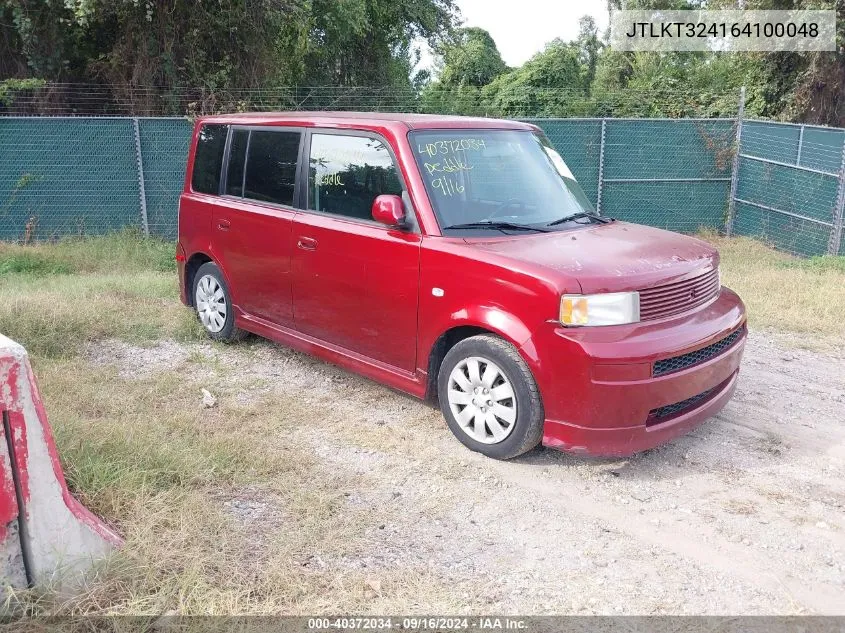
457	259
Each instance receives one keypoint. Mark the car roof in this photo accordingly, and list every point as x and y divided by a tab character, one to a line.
351	119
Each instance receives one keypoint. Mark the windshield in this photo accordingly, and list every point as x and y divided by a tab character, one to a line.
496	177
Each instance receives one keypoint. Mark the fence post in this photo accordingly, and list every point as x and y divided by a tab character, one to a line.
142	193
729	223
835	242
800	147
601	167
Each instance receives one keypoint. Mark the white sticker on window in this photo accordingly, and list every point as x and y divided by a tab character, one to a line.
557	161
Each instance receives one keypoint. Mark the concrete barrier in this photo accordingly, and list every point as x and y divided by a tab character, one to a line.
46	536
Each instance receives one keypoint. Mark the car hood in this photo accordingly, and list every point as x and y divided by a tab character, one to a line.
612	257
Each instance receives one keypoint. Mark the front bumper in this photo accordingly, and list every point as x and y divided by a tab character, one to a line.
599	391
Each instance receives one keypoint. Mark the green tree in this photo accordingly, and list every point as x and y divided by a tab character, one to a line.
469	58
796	86
161	45
552	83
589	46
368	42
216	48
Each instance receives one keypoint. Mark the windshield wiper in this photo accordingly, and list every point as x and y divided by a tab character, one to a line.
581	214
507	226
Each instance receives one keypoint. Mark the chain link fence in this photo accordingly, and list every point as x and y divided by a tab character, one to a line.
163	149
55	99
786	184
790	187
79	176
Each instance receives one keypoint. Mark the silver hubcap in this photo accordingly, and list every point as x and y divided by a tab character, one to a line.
211	304
482	400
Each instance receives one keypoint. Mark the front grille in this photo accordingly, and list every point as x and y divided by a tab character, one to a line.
677	363
680	296
663	414
660	413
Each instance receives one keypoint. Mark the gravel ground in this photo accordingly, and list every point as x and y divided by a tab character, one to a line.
742	516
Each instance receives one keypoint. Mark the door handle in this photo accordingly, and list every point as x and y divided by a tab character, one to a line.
307	243
223	225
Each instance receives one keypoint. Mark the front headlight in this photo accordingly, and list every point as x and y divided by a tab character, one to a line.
612	308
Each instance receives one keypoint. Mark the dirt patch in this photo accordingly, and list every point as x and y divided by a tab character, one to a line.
133	361
251	505
742	516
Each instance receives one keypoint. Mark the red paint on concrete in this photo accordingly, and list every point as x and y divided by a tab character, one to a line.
8	499
59	530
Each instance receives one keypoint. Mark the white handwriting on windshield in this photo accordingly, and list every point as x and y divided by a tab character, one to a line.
451	146
448	186
448	165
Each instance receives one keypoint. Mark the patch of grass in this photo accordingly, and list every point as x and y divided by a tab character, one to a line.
125	251
150	434
55	316
30	263
819	264
54	298
783	292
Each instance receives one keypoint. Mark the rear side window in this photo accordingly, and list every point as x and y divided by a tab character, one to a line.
346	173
237	157
271	166
208	160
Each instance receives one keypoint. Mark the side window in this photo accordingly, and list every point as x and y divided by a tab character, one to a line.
271	166
208	160
237	157
346	173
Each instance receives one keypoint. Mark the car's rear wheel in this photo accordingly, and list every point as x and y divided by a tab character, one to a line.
213	304
489	397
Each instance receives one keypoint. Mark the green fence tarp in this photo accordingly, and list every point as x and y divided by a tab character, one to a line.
67	176
164	148
788	184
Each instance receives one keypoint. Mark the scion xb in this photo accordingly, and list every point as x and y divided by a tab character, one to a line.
457	259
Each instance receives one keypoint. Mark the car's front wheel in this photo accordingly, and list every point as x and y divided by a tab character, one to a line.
213	304
489	397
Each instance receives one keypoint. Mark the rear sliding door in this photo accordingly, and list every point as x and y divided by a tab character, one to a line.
253	220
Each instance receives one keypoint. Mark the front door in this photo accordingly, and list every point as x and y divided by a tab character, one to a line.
355	281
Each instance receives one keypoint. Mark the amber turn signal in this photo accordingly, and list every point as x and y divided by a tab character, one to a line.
612	308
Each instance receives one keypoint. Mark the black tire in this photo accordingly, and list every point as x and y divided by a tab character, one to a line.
527	431
228	333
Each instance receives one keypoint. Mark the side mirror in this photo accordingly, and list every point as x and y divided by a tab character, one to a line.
389	210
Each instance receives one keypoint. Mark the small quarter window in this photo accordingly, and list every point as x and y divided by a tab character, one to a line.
271	166
346	173
237	156
208	159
